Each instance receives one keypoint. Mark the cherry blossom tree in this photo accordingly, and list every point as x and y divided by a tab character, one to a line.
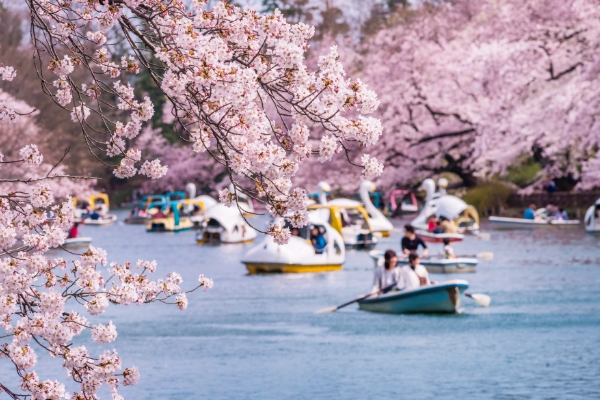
239	91
472	86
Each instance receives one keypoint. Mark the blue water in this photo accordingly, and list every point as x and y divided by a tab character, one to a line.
257	337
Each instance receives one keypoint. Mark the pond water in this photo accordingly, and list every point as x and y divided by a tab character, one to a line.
258	337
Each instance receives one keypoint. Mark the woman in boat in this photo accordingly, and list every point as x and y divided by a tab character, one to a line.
388	274
414	274
74	231
411	242
431	223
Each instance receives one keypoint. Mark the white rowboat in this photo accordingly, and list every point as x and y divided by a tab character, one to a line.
106	220
435	265
77	242
521	223
444	297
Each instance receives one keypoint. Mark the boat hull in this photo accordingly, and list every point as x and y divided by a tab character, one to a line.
107	220
77	242
445	297
268	268
521	223
431	237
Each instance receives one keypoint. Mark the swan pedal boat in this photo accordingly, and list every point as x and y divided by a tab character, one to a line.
435	265
222	225
592	219
431	237
298	255
81	241
443	297
511	223
108	219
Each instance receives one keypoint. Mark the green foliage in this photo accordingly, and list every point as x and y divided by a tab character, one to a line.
145	85
488	196
523	174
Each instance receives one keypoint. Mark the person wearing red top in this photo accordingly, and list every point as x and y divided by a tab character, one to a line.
74	232
431	223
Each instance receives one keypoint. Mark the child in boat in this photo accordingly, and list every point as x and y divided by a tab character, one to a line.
388	274
317	239
414	274
448	250
562	215
74	232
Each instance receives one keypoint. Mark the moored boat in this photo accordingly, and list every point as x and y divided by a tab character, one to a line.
522	223
431	237
435	265
444	297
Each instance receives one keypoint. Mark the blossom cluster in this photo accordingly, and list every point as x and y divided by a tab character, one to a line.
236	81
36	292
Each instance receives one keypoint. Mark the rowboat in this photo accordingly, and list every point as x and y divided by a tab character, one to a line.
435	265
521	223
444	297
431	237
77	242
106	220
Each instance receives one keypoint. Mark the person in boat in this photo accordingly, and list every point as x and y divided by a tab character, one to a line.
562	215
411	242
530	212
74	231
448	226
93	215
431	223
414	275
317	239
448	250
295	232
388	274
158	214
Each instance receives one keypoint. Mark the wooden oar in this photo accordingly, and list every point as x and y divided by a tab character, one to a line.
486	255
359	298
481	299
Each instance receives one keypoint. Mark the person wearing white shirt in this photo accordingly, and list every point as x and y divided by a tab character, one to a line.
414	274
388	274
448	250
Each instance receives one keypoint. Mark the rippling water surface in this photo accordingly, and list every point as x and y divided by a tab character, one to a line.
257	337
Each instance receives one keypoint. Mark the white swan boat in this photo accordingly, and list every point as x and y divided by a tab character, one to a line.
108	219
521	223
444	297
431	237
81	241
434	265
298	255
224	224
440	204
592	218
377	221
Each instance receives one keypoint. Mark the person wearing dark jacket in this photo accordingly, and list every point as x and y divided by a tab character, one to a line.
410	242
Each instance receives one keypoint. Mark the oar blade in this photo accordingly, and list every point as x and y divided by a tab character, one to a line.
326	310
481	299
488	255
